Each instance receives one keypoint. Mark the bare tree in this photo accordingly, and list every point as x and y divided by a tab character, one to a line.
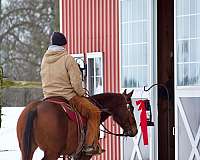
24	36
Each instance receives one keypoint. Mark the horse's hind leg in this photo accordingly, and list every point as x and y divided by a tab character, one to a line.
31	152
50	156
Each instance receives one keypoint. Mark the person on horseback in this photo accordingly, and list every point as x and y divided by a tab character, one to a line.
61	76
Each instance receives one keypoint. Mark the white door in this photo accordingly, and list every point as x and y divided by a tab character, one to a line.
187	79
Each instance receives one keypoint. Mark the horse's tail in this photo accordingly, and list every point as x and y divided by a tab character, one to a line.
28	133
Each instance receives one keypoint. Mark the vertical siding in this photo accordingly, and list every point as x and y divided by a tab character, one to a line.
93	26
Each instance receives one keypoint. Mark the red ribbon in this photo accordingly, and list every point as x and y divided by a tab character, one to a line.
143	120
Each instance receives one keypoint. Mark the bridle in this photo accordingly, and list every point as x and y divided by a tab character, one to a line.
131	109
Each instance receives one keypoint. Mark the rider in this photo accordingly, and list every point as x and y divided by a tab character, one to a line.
61	76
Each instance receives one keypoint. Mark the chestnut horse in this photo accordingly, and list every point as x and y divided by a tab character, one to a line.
45	125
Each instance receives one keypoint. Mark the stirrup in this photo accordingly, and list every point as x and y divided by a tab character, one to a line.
99	150
88	150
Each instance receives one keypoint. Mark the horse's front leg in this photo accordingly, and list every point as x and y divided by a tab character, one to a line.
83	157
68	158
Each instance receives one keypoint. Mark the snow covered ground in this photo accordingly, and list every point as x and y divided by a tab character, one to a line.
8	138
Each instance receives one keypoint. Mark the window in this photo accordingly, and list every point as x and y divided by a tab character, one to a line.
135	42
95	73
188	42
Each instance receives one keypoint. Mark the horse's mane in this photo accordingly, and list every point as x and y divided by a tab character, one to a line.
104	99
106	95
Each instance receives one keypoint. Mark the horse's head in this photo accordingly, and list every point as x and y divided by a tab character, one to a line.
124	115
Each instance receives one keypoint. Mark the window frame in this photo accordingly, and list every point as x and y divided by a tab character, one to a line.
95	55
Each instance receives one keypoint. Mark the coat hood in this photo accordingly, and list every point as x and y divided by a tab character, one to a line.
54	53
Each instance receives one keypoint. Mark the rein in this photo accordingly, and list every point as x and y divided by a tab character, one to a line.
109	132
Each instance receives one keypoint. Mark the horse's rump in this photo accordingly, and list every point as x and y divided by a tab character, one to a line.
52	129
55	129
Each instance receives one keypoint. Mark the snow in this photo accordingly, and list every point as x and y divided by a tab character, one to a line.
8	138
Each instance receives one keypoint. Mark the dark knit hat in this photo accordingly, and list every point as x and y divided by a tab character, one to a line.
58	38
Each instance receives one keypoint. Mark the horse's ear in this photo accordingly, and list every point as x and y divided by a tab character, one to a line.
130	94
124	92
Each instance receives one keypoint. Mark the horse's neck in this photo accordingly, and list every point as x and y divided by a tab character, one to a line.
104	111
103	101
104	116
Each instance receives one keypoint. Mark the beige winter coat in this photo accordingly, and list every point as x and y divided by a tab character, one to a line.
60	75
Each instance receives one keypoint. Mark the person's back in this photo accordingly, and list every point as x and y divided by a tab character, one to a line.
61	76
56	79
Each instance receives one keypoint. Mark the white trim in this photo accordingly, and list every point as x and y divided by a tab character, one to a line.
61	14
194	148
120	63
136	144
185	120
94	54
189	38
120	85
190	62
188	87
134	43
187	93
152	77
140	65
154	94
149	46
77	55
135	21
194	142
176	127
175	86
187	15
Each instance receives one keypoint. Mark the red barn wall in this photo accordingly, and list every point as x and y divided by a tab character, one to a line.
93	26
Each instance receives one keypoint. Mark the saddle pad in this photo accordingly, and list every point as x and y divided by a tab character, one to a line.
73	115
